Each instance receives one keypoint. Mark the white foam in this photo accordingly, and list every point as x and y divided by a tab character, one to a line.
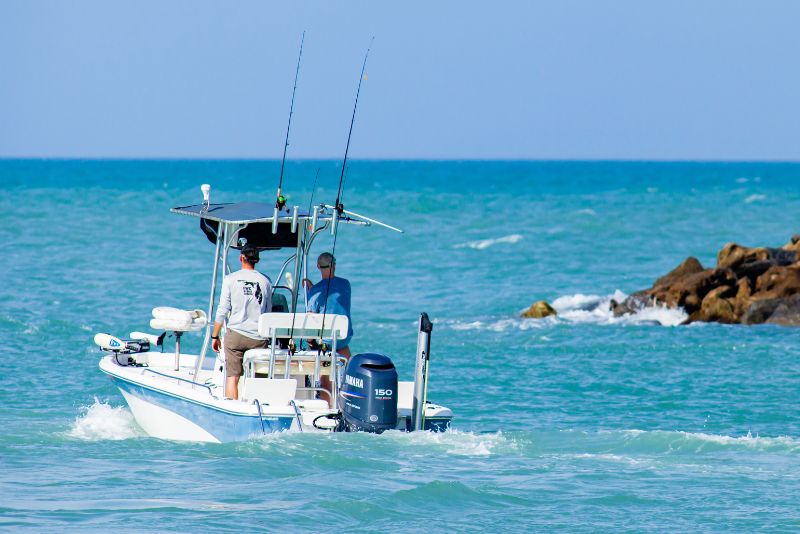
582	308
754	198
486	243
576	309
457	442
105	422
586	211
748	440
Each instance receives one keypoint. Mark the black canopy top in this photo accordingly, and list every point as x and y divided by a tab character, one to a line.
258	218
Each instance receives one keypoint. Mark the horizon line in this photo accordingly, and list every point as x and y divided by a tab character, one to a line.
382	159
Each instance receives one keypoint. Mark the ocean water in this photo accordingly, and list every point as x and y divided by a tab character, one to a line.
579	423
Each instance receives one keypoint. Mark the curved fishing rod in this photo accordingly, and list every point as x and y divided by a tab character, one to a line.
338	204
280	200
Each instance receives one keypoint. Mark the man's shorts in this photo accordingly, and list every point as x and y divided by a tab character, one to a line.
236	345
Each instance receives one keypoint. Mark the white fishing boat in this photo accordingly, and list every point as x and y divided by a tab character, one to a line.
181	396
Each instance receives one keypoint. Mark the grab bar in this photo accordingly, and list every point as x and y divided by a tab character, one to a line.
210	392
260	416
297	413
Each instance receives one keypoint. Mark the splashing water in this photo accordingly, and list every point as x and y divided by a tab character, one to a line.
101	421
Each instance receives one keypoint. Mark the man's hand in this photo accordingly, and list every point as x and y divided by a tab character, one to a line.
215	344
307	283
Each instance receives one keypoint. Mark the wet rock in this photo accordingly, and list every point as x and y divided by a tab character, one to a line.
717	306
630	305
759	311
787	313
539	310
688	292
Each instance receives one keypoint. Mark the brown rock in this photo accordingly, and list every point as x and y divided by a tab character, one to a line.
732	256
778	282
539	309
793	244
690	265
688	292
742	299
716	307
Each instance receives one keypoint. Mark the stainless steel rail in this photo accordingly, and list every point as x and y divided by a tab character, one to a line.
210	391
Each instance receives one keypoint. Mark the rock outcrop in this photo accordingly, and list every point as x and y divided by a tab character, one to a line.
747	285
539	309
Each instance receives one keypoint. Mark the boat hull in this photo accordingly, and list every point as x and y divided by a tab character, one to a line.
168	405
166	416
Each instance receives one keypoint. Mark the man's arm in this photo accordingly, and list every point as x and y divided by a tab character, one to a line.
222	313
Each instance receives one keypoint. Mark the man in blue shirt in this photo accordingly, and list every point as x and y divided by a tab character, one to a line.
334	291
337	291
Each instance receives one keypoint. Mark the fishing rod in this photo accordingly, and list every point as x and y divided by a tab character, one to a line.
280	200
292	345
339	208
350	133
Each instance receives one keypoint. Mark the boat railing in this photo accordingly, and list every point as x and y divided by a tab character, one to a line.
192	382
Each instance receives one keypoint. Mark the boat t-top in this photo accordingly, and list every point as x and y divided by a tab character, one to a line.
181	396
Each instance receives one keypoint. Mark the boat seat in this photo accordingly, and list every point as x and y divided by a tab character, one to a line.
269	391
176	320
256	361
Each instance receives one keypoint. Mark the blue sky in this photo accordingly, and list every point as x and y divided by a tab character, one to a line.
567	79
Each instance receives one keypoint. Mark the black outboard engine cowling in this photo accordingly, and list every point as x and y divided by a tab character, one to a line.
368	396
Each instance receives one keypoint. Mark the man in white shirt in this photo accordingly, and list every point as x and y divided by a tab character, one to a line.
246	294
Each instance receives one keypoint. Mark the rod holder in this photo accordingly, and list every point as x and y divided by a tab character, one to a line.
314	219
206	189
421	372
275	221
295	213
178	350
334	220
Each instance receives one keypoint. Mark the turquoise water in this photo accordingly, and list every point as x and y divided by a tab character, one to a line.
579	423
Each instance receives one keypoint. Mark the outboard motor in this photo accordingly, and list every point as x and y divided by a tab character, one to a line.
368	396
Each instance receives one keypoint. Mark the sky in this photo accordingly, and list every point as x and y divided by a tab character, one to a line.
565	79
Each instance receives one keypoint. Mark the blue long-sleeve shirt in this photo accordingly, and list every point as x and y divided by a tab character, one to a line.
338	297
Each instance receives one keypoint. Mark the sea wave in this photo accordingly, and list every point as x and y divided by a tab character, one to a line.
696	442
451	442
580	308
101	421
754	198
486	243
574	309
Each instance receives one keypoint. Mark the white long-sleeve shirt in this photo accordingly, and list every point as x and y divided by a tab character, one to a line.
246	294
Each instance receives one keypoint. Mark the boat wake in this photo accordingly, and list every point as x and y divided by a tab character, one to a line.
101	421
486	243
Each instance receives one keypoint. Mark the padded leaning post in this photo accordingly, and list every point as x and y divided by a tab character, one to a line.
178	321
